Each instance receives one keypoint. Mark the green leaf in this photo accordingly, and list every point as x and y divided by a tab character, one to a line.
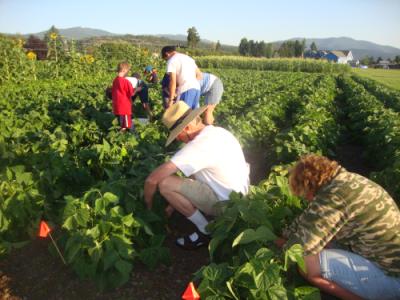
216	241
4	222
123	266
262	233
128	220
9	174
262	281
72	248
307	293
94	232
111	198
264	253
230	288
100	205
277	292
244	276
82	216
295	254
153	255
146	227
212	272
95	253
109	258
69	223
106	146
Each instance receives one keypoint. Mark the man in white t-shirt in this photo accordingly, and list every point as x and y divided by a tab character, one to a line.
184	75
212	156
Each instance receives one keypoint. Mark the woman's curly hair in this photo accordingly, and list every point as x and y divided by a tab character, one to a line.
310	173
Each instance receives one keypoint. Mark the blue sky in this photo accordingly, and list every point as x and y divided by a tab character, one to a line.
228	21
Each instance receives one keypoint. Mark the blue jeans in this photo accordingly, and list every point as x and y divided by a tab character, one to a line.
191	98
358	275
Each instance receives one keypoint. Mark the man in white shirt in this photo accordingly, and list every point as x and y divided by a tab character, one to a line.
212	155
184	75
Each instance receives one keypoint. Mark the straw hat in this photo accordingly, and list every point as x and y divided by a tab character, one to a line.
177	117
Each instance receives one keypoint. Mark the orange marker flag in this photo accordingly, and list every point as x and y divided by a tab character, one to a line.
44	229
191	293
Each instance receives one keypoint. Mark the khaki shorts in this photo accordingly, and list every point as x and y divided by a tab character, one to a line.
201	196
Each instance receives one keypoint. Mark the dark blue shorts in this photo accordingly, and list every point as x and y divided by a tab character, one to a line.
143	95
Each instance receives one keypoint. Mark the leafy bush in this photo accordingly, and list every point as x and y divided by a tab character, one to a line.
378	129
245	262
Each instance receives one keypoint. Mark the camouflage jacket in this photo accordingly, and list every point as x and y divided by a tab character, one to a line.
356	212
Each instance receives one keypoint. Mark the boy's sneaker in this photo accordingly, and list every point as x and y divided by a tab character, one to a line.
193	241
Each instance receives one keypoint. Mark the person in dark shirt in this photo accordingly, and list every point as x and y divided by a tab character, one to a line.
151	75
142	90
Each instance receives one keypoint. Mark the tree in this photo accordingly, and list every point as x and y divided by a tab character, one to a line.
261	49
397	59
218	46
244	47
287	49
193	37
303	47
252	48
297	49
367	60
269	51
36	45
313	47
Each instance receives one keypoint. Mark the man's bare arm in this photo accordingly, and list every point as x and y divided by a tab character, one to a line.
313	275
172	88
152	181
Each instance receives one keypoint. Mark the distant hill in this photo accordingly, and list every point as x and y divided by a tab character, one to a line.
359	48
182	38
85	34
77	33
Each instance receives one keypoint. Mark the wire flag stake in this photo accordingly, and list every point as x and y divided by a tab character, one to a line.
44	231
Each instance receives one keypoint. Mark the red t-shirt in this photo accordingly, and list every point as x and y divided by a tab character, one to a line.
122	92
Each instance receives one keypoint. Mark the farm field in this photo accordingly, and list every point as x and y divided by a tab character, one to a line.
63	159
390	78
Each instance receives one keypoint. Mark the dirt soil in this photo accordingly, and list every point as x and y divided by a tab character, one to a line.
33	273
350	157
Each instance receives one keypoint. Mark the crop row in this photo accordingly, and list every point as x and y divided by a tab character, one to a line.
245	262
314	126
389	97
63	159
256	113
378	129
272	64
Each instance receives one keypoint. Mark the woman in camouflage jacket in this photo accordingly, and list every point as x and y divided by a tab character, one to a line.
355	212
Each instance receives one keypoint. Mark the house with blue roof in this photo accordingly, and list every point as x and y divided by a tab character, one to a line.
339	56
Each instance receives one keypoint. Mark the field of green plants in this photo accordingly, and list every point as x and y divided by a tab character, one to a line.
63	159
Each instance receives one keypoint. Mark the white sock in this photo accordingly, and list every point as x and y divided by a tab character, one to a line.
199	220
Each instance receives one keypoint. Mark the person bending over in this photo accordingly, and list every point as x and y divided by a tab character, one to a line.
358	214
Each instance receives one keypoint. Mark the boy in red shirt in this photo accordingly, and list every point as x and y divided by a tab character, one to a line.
122	91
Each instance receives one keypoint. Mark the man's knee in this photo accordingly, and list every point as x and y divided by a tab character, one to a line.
169	184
